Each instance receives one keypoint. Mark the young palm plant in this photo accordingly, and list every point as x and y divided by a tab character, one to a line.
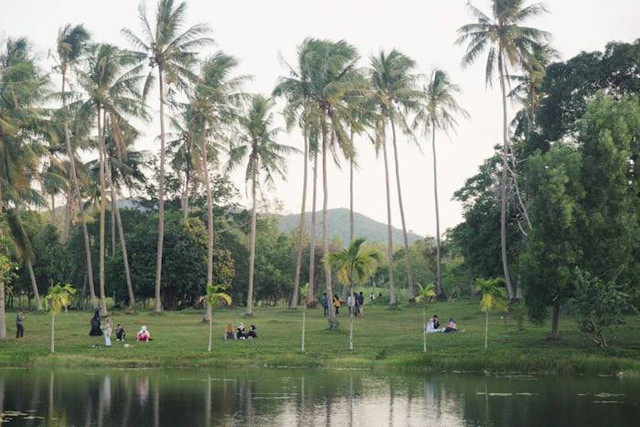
509	44
304	296
58	297
494	296
437	110
215	296
354	265
166	46
257	144
426	294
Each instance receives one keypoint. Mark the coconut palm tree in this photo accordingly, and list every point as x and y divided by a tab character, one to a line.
493	296
166	46
509	44
426	294
354	265
70	45
394	92
58	297
437	110
215	296
257	143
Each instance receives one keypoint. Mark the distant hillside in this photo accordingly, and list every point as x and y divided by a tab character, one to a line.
373	231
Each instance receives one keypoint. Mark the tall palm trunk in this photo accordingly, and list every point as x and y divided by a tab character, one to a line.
392	289
351	316
157	306
53	209
325	228
103	208
407	255
210	320
123	243
301	226
185	197
34	284
435	192
3	315
503	183
207	184
76	188
252	250
311	298
113	221
351	195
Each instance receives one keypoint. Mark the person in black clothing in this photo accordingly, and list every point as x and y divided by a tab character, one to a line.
120	334
252	332
19	325
436	322
95	324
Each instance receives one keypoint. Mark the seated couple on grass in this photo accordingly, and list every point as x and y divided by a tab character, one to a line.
230	334
434	326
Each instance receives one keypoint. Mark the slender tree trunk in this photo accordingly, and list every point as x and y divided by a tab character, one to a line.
311	298
435	192
123	242
3	314
113	219
424	329
304	325
252	251
103	208
53	328
351	313
351	196
34	284
207	184
301	225
210	328
325	228
157	306
503	183
555	320
76	188
407	255
392	289
486	329
53	209
185	197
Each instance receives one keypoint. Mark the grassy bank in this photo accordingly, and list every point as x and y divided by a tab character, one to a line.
383	338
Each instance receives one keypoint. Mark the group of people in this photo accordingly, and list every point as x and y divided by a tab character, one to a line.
434	325
240	333
97	329
355	303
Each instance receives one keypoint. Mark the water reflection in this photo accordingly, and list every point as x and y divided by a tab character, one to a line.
298	397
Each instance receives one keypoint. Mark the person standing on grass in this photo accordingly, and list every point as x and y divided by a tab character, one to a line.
325	304
336	303
107	332
361	303
19	325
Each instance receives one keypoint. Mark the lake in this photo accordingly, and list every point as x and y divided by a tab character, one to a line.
305	397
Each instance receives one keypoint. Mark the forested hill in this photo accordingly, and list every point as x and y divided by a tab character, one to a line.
371	230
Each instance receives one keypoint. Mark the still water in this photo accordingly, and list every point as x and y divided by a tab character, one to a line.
302	397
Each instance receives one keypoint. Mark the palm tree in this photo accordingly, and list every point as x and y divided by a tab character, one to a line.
425	295
213	107
493	296
70	46
394	93
354	265
171	50
215	296
509	44
332	77
437	111
256	142
58	297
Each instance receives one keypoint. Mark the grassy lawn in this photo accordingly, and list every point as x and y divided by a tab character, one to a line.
383	338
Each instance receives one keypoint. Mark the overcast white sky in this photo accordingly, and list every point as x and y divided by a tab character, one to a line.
256	31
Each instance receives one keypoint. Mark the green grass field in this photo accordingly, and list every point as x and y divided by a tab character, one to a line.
383	338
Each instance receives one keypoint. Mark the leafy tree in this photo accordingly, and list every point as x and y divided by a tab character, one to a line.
166	46
494	295
58	297
216	295
509	44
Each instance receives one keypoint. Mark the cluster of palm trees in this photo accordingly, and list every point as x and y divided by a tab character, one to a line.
104	92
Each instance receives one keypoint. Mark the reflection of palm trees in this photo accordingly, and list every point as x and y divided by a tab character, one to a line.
142	390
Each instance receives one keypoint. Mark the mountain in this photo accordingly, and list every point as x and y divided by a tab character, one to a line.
364	226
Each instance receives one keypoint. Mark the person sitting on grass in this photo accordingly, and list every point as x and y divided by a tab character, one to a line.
143	335
229	332
120	334
252	332
240	334
451	326
433	325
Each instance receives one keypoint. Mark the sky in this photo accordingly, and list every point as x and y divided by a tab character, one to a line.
259	32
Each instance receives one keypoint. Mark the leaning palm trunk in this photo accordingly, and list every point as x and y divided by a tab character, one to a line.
392	290
123	243
76	188
312	235
103	207
157	307
435	192
252	251
301	227
207	184
503	183
325	229
407	260
34	284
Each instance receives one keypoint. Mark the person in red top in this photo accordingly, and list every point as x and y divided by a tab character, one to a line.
143	335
